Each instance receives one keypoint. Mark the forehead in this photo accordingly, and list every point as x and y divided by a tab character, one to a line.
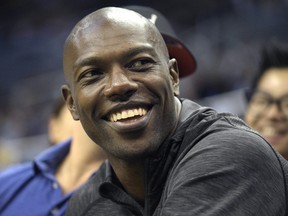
112	43
107	34
110	37
112	23
274	81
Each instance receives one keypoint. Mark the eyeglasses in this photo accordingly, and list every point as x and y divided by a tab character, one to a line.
261	101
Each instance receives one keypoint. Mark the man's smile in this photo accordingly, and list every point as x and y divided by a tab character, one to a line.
127	114
131	118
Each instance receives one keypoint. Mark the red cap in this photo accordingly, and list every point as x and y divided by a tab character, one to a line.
185	59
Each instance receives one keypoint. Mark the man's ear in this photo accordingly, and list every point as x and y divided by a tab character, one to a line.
174	75
66	92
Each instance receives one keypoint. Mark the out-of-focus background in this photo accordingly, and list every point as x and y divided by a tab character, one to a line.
224	35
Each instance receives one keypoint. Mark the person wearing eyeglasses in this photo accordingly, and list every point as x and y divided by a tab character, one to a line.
267	110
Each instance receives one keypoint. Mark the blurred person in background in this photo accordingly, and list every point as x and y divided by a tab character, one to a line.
267	110
6	157
60	123
43	186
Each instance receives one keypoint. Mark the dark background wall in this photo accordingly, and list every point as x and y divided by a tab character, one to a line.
224	35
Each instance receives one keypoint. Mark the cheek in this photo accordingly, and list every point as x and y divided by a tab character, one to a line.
85	104
160	84
88	95
250	118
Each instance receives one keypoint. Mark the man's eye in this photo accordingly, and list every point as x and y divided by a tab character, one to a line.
91	73
140	64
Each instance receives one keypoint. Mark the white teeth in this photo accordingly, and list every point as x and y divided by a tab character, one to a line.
127	114
130	113
124	115
118	116
136	112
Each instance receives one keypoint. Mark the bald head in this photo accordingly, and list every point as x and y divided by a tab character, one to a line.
106	24
112	15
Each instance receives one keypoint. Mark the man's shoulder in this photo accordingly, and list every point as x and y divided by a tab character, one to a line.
208	122
229	144
228	156
224	137
230	134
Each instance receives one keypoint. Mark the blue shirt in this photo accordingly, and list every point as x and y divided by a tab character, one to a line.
31	189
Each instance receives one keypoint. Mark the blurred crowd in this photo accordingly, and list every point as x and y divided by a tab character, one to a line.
225	37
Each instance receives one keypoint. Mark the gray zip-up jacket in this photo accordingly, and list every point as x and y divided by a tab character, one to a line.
212	165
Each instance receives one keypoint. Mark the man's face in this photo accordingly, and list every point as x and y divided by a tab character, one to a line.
271	120
122	89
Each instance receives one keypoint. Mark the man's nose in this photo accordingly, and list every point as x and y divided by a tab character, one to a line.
120	85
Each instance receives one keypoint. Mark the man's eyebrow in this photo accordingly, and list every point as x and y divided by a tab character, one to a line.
128	54
85	61
137	50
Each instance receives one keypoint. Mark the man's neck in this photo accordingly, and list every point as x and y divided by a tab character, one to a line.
131	176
